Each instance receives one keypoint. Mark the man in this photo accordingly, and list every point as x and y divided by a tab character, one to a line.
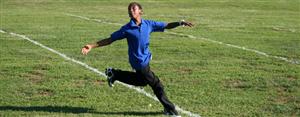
137	32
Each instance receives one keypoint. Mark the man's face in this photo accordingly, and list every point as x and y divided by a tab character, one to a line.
134	12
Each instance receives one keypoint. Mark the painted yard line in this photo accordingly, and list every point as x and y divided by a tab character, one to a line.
2	31
193	37
94	70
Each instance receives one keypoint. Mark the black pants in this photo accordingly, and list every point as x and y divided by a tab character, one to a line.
142	78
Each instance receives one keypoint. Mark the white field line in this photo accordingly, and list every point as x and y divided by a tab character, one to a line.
94	70
2	31
193	37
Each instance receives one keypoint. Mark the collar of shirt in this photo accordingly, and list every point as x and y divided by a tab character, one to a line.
132	23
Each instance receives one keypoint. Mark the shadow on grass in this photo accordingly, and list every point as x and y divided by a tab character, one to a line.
74	110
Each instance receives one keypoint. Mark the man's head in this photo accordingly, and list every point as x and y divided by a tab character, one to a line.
135	10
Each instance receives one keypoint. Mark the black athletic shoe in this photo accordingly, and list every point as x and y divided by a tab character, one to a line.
172	113
109	73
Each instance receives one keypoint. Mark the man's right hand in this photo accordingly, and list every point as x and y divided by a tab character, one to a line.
86	49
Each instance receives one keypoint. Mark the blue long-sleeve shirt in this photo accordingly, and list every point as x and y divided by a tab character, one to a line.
138	38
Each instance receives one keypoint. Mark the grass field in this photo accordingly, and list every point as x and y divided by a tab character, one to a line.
205	78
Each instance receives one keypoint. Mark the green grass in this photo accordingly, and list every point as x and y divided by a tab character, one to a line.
202	77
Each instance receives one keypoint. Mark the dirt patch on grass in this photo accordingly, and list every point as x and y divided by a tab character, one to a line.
100	82
35	76
236	84
184	70
283	96
45	92
41	67
79	83
79	97
284	100
291	78
284	103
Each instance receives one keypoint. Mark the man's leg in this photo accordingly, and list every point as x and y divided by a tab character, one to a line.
128	77
158	89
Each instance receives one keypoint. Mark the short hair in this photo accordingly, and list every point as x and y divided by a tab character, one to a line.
132	4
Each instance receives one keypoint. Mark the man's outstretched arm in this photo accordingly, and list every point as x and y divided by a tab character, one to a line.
176	24
87	48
